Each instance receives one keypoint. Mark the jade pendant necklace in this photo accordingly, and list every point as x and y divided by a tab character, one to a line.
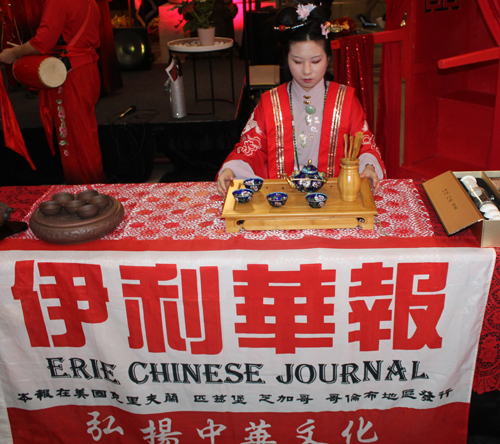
310	110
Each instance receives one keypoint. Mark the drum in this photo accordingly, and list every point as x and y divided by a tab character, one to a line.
40	71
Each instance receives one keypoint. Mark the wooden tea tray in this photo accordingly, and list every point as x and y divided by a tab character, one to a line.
67	229
296	214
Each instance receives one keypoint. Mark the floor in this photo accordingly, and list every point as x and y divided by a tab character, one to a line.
130	144
484	418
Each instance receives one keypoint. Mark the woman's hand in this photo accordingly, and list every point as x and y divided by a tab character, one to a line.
371	175
225	178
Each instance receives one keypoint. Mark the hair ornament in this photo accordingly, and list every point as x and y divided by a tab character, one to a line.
284	28
303	11
328	27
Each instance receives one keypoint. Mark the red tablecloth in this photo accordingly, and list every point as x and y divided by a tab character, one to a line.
187	216
192	212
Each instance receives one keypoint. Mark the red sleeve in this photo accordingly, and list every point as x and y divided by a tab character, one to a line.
358	123
51	25
66	17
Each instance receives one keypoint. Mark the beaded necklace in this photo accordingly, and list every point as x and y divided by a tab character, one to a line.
296	154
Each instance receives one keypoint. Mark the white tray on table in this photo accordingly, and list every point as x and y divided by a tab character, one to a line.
192	44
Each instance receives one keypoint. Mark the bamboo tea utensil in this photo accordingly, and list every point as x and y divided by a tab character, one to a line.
358	139
346	143
349	181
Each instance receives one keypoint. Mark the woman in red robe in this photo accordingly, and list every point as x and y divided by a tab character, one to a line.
305	119
71	26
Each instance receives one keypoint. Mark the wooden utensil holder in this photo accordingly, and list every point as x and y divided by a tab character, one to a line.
349	181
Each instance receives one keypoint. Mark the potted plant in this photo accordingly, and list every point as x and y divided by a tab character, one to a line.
197	15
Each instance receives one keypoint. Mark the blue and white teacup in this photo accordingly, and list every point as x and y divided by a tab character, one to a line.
243	195
277	199
316	200
254	183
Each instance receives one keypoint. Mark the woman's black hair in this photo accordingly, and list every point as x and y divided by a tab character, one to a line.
296	30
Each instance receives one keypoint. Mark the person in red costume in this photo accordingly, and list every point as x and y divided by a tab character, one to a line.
305	119
72	27
9	34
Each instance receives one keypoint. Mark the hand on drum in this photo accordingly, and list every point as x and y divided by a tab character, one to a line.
9	55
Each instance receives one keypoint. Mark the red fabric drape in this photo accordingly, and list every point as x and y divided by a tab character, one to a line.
109	69
491	12
10	34
354	67
388	131
11	131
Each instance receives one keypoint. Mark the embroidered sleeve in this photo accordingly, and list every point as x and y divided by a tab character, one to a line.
253	136
252	147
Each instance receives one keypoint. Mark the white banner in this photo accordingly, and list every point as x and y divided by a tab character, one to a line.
318	330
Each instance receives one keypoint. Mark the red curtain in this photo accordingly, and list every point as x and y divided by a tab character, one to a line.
111	79
354	67
491	12
388	131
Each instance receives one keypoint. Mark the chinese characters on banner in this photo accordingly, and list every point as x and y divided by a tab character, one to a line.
307	346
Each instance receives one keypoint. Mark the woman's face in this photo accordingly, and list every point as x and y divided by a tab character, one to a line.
308	63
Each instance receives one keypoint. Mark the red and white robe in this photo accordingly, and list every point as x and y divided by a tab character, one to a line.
267	142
